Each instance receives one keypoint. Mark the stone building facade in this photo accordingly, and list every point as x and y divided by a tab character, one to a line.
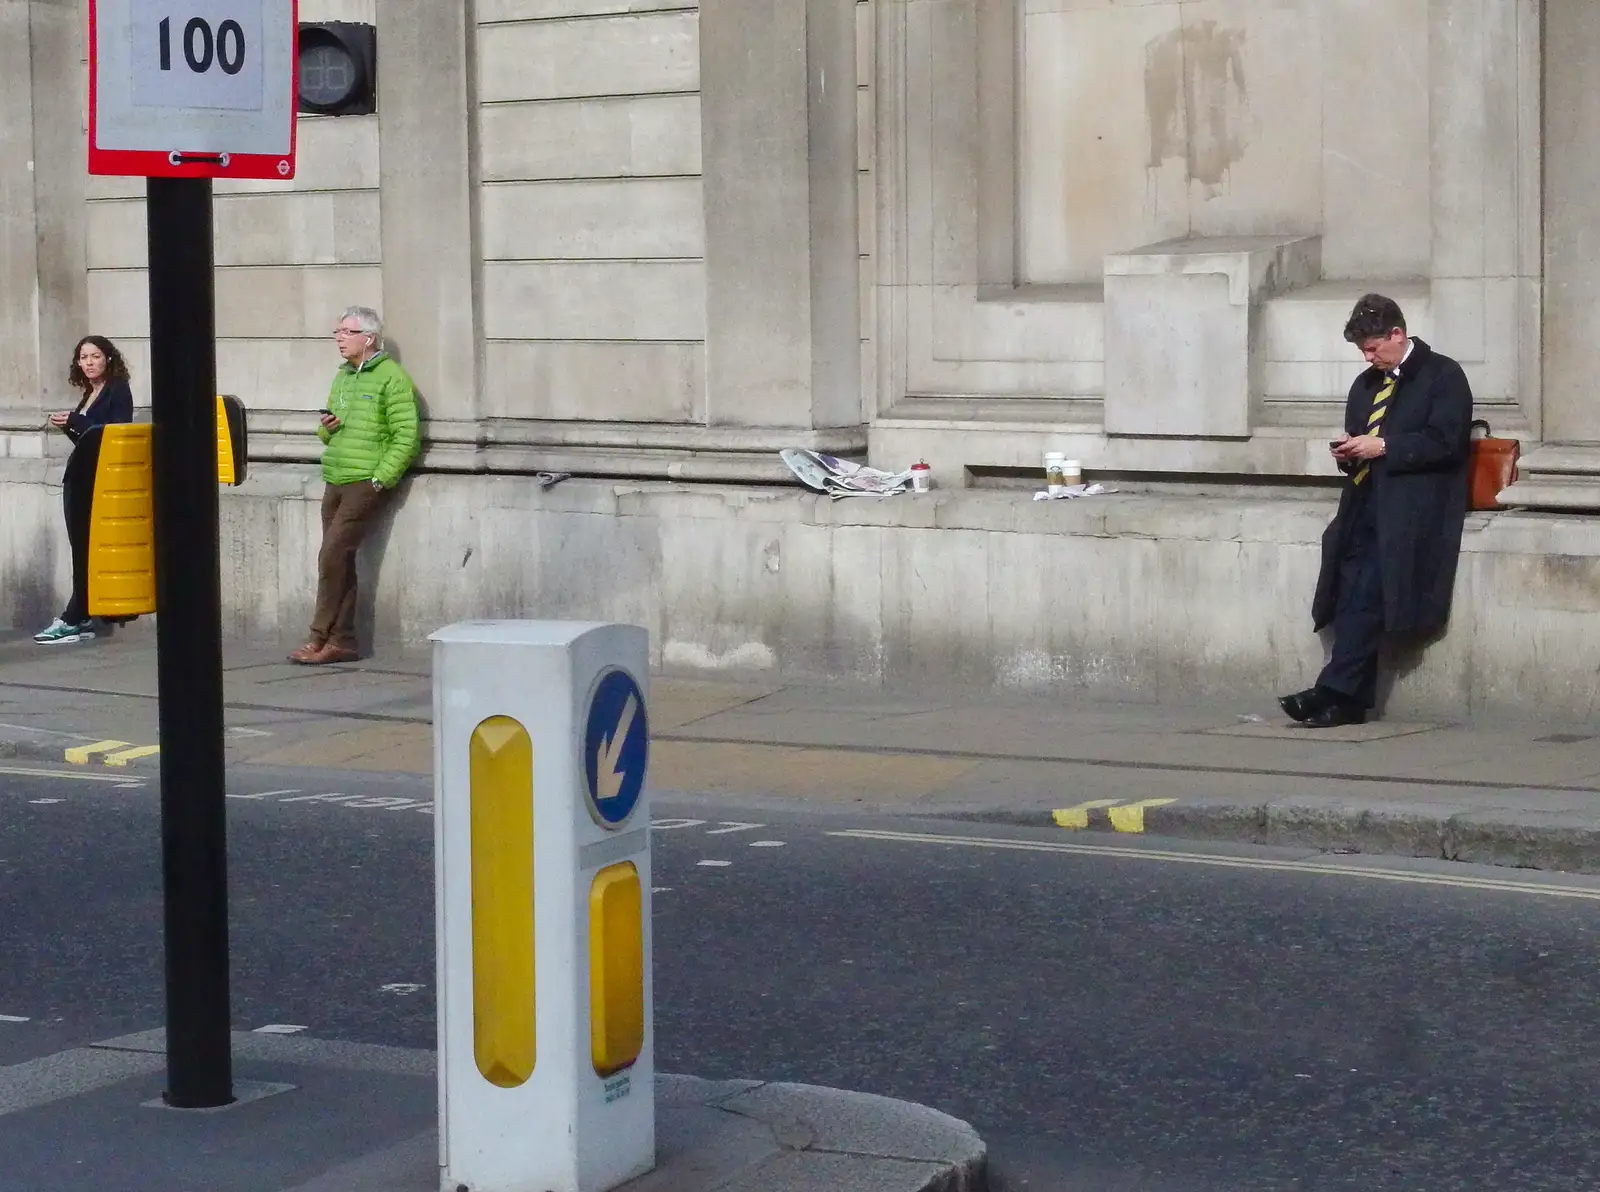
652	243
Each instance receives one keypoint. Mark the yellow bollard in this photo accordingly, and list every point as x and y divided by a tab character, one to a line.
122	540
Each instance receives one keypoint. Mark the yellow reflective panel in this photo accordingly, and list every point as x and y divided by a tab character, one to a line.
122	540
231	440
504	1041
616	968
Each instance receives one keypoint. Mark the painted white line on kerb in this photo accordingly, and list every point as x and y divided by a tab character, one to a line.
121	780
1321	869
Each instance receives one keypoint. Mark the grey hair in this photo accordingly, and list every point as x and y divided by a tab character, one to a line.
367	319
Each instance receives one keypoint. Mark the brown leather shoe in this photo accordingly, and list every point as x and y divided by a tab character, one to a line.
306	655
332	653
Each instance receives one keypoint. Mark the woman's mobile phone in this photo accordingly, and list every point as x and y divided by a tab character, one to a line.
329	413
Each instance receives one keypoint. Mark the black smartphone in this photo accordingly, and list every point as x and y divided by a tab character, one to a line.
329	413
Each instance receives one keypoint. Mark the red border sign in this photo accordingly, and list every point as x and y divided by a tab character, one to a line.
199	164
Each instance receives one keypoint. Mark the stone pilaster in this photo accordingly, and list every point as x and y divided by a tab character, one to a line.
778	121
431	276
43	293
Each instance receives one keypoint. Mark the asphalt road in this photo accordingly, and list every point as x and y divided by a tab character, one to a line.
1154	1017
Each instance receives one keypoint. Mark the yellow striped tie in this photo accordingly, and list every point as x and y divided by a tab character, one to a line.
1380	406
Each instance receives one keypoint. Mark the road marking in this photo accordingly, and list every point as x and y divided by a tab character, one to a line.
728	826
1077	818
667	825
79	755
278	1028
715	864
44	802
1129	817
117	780
403	988
660	889
11	1018
268	794
125	756
1503	885
767	843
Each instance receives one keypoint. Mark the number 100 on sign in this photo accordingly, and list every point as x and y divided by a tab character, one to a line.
192	88
197	54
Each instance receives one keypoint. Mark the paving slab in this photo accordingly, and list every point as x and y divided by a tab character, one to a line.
348	1117
1520	794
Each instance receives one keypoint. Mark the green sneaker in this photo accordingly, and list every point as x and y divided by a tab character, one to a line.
60	633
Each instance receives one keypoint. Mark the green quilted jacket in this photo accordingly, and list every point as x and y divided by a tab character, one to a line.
379	437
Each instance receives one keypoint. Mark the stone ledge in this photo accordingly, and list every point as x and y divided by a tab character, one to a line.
1157	516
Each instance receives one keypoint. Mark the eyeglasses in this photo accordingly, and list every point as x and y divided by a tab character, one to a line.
338	331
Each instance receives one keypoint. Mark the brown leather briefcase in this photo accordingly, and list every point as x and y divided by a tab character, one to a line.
1494	467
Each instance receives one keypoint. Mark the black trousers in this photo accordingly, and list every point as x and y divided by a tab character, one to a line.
1352	670
77	497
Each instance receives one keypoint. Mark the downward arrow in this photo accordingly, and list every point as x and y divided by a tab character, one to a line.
607	776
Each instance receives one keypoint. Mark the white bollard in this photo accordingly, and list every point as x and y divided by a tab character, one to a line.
542	855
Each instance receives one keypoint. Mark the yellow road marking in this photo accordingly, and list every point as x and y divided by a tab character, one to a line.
1077	818
1502	885
131	755
1130	816
79	755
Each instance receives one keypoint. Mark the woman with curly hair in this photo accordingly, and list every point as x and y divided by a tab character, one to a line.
101	374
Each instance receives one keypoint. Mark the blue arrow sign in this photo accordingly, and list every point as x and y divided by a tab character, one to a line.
616	744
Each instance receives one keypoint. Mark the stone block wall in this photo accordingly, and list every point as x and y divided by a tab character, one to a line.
1136	596
290	257
593	231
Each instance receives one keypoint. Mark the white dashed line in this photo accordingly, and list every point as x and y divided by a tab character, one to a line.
44	802
715	864
767	843
660	889
402	988
278	1028
12	1018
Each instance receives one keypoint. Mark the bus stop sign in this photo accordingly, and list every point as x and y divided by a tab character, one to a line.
192	88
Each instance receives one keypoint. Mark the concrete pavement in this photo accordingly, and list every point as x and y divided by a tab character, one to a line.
324	1116
1510	794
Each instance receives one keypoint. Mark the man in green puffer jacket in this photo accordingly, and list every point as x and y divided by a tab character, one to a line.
370	428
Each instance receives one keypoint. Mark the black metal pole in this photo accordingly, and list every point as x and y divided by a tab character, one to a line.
194	837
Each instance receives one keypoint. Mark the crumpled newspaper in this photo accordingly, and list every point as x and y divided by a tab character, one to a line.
842	477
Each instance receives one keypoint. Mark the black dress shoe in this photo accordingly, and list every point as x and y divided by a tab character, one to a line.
1303	705
1336	714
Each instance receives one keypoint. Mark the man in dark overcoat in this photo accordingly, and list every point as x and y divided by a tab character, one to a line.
1389	556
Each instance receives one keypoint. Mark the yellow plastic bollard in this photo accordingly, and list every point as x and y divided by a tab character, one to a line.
122	540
